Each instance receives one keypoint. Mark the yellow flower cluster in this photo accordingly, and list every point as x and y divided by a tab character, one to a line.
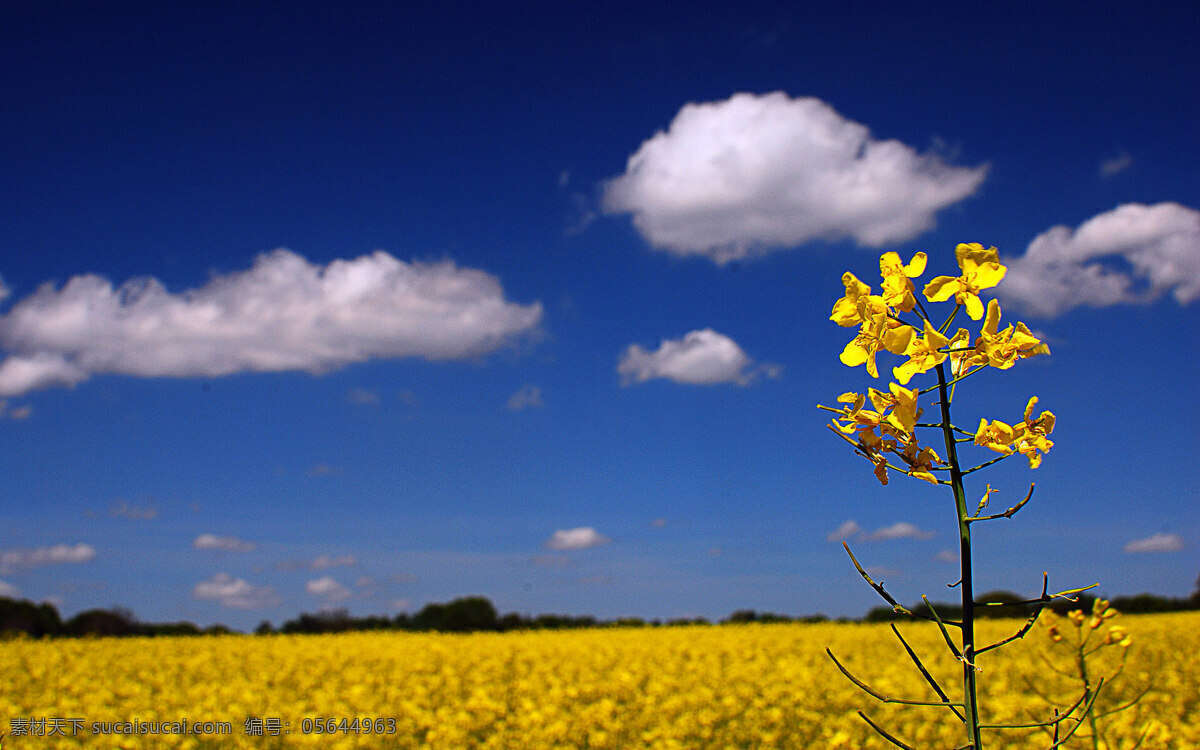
746	686
878	432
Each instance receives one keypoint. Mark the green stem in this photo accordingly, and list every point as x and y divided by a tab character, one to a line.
970	694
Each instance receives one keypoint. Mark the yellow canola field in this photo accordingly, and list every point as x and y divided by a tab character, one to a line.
746	686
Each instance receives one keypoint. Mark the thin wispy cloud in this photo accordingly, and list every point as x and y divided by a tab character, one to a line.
1155	543
702	357
845	531
1133	254
1116	165
16	559
736	178
362	396
527	397
226	543
126	509
284	313
328	589
235	593
577	538
899	530
325	561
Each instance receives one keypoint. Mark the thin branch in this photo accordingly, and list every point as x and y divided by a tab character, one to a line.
928	677
942	626
884	734
896	606
986	464
1008	513
1019	634
878	695
1059	718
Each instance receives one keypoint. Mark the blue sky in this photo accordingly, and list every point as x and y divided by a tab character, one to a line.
374	305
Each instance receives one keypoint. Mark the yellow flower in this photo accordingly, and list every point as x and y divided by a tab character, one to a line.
966	357
903	404
920	461
1118	636
996	435
897	280
981	269
878	330
1001	349
923	354
851	309
1030	436
854	416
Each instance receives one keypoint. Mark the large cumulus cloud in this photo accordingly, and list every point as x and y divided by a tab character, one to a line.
284	313
1134	253
738	177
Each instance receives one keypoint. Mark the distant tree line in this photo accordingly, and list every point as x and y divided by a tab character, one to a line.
476	614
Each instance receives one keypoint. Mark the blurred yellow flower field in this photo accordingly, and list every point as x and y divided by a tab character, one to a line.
743	686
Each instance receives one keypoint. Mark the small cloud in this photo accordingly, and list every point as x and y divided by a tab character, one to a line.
125	509
325	561
845	531
658	523
16	414
328	588
363	396
402	578
702	357
899	530
57	554
714	552
235	593
528	397
1115	165
227	543
8	590
1132	254
364	582
579	538
1155	543
401	605
323	470
948	555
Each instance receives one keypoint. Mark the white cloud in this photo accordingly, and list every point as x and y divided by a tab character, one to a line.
125	509
328	588
325	561
14	559
578	538
1156	543
735	178
364	396
235	593
528	397
7	589
228	543
899	530
1131	254
1115	165
284	313
699	358
845	531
